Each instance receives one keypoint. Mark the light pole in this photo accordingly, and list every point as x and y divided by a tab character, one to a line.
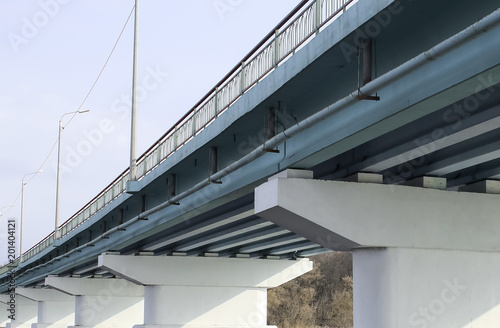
22	214
133	159
56	229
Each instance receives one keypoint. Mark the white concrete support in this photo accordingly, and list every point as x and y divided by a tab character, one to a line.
102	303
3	310
24	311
343	215
200	292
55	309
422	257
426	288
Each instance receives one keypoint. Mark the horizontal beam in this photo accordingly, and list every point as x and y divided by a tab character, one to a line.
342	215
203	271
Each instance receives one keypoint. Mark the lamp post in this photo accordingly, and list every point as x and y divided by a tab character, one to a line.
22	214
56	229
133	159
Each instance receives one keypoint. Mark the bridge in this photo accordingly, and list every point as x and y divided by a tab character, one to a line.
369	126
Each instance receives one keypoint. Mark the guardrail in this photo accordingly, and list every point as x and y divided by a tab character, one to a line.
291	33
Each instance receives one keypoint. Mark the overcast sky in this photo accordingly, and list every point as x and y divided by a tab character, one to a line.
52	52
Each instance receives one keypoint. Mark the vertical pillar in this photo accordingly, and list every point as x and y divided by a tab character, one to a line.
25	312
55	309
194	292
213	160
367	61
271	123
3	309
425	288
102	303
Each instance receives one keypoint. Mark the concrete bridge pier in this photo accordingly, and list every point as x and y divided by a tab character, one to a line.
55	309
102	303
197	292
426	288
3	309
422	257
25	312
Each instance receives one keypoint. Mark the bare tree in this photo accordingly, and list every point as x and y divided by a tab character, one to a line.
320	298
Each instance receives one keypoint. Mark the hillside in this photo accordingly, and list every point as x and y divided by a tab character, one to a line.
321	298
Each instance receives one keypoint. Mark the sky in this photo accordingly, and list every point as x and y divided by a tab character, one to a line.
51	53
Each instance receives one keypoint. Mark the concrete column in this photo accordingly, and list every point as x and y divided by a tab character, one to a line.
3	309
25	312
425	288
196	292
55	309
423	258
102	303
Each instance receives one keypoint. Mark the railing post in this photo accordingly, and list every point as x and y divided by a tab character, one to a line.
276	48
175	138
318	15
242	78
216	102
194	122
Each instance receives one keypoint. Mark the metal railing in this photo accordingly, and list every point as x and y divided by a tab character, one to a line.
291	33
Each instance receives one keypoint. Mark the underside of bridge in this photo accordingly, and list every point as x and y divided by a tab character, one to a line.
425	113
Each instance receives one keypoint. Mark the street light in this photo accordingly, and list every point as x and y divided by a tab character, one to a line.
22	214
56	229
133	138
